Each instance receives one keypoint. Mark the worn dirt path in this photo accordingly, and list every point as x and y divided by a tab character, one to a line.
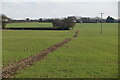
11	69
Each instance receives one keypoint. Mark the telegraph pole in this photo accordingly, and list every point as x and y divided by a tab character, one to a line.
101	21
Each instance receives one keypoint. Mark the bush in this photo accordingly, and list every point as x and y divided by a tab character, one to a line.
66	23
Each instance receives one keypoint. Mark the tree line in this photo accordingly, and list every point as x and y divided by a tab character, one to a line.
64	23
109	19
77	19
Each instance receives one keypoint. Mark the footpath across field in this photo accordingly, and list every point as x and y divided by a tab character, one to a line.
89	55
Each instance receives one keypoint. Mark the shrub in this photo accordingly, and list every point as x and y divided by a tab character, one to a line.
66	23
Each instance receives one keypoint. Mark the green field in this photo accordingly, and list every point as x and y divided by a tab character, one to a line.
90	55
33	24
20	44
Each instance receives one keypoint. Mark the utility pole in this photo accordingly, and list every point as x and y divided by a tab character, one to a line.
101	21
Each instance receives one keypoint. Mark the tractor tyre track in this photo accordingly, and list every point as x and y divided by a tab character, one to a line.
11	69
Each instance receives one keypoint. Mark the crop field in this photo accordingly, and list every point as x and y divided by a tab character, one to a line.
21	44
33	24
89	55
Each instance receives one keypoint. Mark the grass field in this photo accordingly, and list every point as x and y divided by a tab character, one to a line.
90	55
21	44
33	24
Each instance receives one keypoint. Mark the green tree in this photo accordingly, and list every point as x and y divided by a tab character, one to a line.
4	20
110	19
69	22
66	23
27	19
40	20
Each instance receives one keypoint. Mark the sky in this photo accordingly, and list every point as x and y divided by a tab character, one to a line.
60	0
34	10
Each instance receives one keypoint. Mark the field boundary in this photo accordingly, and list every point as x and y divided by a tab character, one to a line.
11	69
36	28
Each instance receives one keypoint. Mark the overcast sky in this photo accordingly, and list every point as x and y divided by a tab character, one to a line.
60	0
22	10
